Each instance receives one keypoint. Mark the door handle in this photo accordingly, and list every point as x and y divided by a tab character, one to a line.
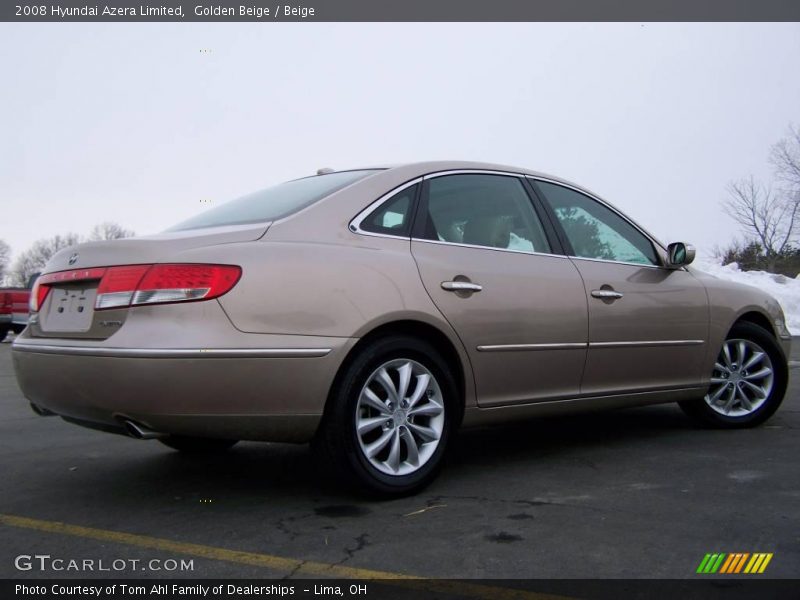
461	286
606	294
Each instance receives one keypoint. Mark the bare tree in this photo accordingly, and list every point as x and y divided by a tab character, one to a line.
785	159
5	257
35	258
109	230
771	218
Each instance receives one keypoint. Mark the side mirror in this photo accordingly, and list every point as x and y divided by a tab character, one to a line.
679	255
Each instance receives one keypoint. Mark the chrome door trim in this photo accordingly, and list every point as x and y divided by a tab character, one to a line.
172	352
590	345
646	343
531	347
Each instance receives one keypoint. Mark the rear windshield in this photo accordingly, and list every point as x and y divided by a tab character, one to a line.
273	203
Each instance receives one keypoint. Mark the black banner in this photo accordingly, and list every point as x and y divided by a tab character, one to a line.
716	588
272	11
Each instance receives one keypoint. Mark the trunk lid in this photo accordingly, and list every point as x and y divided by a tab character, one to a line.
150	248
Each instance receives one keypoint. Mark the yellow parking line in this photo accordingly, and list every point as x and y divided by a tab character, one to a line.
277	563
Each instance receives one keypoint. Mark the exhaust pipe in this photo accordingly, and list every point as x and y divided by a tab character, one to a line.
140	432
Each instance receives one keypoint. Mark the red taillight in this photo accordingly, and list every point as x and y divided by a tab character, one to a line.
133	285
182	282
118	285
44	282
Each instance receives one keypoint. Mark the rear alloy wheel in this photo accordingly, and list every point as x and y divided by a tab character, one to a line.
197	445
389	417
748	381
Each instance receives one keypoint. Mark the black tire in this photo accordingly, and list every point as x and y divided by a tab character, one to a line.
702	412
4	331
197	445
17	329
337	445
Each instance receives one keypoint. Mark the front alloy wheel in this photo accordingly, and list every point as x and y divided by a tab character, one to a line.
742	380
748	380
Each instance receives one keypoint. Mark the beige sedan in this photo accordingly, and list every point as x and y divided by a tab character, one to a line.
373	312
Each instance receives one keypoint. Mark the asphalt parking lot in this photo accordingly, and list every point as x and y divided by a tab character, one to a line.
640	493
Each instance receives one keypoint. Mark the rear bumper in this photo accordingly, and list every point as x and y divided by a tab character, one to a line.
274	391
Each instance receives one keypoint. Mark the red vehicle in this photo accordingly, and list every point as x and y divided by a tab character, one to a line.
14	308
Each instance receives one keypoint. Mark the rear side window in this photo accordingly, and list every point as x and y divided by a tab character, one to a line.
492	211
393	217
275	202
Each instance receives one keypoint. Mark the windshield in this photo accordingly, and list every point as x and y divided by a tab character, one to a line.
275	202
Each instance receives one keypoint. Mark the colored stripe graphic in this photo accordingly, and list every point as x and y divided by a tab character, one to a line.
734	563
727	564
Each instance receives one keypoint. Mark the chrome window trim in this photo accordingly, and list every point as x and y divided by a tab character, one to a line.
617	212
355	224
172	352
472	172
475	246
622	262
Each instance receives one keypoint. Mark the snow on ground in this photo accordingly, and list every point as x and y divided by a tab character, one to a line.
785	289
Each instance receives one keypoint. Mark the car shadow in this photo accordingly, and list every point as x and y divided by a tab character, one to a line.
260	474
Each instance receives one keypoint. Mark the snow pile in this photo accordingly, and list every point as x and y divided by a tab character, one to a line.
784	289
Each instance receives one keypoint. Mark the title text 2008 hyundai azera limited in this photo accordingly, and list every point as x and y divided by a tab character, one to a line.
374	311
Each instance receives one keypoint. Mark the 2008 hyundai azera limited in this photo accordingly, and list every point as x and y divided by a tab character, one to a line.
373	312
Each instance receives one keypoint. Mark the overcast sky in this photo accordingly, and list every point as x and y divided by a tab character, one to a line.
133	123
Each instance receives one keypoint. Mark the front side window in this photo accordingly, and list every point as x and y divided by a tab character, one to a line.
596	231
275	202
493	211
393	217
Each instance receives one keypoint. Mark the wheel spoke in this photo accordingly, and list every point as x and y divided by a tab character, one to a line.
426	433
394	452
369	398
721	368
754	359
718	380
388	385
755	389
429	409
421	388
405	379
411	447
717	394
743	399
379	444
740	351
730	400
763	372
367	425
726	355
